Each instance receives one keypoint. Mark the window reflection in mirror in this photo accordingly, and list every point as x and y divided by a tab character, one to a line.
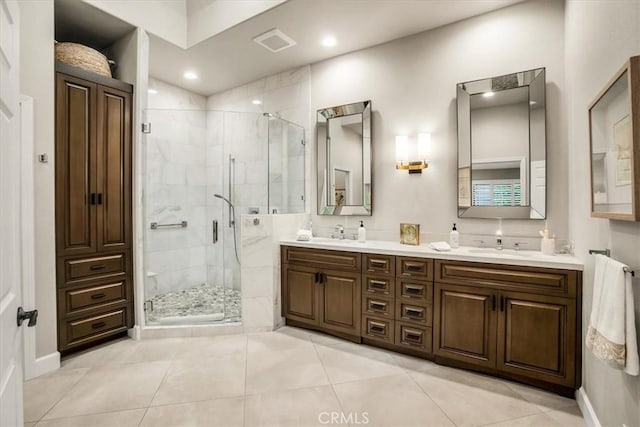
502	146
344	159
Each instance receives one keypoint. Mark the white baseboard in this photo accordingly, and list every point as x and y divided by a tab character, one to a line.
134	333
45	364
590	417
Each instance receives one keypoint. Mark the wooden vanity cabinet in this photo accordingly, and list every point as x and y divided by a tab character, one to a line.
519	323
326	299
486	320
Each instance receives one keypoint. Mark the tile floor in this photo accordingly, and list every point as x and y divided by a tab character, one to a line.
291	377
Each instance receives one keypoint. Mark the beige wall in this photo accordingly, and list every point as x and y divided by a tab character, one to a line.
412	85
600	36
37	81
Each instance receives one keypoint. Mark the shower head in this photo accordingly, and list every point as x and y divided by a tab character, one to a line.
219	196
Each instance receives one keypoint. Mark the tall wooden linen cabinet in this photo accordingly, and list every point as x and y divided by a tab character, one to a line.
93	163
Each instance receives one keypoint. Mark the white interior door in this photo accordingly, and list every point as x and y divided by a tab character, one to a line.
10	258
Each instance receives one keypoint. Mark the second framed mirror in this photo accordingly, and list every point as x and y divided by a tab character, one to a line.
344	159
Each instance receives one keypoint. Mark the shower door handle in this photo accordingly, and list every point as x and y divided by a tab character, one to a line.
215	231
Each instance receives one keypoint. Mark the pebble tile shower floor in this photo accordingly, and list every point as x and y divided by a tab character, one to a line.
202	300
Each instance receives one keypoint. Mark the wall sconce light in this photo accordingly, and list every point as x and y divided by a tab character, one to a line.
412	157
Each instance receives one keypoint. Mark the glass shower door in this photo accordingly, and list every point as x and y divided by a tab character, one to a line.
286	167
178	289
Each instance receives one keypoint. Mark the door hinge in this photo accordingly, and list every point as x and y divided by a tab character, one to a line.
146	128
302	142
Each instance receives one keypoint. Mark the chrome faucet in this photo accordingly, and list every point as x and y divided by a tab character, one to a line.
518	245
338	232
499	242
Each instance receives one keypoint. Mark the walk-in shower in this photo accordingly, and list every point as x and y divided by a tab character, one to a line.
203	171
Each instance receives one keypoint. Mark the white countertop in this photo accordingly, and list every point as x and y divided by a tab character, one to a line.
466	253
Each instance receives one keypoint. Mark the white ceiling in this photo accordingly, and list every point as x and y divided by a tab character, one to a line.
231	58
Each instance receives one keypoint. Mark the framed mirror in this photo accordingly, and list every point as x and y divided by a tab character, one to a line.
502	146
614	135
344	159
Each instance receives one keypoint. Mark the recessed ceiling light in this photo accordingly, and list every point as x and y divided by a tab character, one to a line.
329	41
152	91
190	75
488	94
256	102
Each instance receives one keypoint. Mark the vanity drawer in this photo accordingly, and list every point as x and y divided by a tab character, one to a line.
378	305
413	311
76	300
415	337
420	268
379	285
531	279
90	268
334	260
414	290
382	265
82	330
378	329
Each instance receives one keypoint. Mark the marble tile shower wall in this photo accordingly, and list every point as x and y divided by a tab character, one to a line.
175	189
287	95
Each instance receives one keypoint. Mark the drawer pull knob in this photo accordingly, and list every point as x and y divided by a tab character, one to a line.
378	284
98	296
376	328
413	312
414	267
413	290
411	336
97	267
378	305
379	264
98	325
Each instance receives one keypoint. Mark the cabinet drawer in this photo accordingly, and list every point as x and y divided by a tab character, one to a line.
379	285
531	279
94	296
378	329
420	268
383	265
414	290
378	305
334	260
89	268
414	312
85	329
416	337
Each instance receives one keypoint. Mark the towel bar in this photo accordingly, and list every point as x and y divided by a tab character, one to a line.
155	225
607	252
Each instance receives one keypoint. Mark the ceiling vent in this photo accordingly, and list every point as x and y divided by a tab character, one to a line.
274	40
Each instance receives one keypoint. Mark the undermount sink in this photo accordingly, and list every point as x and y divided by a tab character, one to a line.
503	252
330	240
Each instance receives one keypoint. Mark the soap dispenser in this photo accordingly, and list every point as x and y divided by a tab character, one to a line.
362	233
454	237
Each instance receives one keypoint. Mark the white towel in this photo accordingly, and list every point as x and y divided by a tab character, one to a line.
611	335
303	235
